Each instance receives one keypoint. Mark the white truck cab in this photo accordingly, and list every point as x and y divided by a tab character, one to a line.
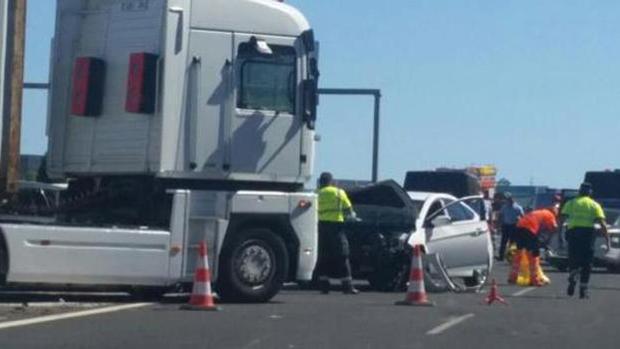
176	121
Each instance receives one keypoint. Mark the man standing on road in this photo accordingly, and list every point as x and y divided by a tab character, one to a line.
581	215
526	237
334	207
508	217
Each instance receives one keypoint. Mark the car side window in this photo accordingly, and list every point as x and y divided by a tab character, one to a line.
458	212
433	211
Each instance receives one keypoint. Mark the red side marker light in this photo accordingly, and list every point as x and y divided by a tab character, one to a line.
88	83
141	83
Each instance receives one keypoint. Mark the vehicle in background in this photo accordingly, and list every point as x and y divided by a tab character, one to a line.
530	197
605	187
175	122
450	228
557	255
457	183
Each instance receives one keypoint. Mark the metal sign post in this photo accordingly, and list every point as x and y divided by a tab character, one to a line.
375	140
13	37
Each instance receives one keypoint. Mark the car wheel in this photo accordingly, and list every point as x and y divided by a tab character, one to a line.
479	279
254	267
389	280
434	280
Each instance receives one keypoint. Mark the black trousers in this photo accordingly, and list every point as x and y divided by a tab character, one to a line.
508	231
527	241
580	254
333	251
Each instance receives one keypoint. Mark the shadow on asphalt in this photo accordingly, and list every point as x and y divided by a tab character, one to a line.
549	297
61	297
605	288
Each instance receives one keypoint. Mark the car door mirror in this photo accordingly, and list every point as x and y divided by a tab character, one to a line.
440	221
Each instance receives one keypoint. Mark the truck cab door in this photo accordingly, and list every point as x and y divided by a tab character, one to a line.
208	103
266	126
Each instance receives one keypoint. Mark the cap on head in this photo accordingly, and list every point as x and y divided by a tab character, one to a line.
325	179
507	196
585	189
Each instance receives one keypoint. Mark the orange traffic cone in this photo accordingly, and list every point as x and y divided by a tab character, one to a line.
416	293
494	295
202	297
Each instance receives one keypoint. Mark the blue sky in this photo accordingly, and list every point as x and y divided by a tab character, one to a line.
531	86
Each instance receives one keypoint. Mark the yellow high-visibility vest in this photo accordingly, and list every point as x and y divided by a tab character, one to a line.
333	202
582	212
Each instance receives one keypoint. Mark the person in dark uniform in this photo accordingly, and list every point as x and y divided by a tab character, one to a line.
334	208
509	215
581	214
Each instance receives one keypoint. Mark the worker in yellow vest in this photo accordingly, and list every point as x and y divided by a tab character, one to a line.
581	214
334	208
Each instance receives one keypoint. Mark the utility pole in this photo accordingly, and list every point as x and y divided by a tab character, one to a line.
13	31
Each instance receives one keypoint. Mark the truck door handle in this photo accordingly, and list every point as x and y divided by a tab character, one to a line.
179	31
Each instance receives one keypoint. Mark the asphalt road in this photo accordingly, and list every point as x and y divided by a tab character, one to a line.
540	317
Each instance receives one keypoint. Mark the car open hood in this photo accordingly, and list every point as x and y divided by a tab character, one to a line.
385	205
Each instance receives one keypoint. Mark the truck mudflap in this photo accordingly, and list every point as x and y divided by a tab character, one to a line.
86	256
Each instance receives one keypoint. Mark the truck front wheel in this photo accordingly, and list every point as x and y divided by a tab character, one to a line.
254	266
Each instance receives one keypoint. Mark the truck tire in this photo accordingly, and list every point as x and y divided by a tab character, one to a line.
254	266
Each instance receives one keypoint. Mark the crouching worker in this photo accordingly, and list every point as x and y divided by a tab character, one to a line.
526	238
334	208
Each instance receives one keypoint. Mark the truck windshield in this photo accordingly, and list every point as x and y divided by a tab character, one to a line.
267	82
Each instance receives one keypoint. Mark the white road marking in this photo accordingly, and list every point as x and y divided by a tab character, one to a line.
523	291
53	305
78	314
450	323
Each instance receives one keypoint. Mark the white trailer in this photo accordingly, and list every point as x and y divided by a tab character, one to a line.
176	121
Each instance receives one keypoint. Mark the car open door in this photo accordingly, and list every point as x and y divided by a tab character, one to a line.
462	238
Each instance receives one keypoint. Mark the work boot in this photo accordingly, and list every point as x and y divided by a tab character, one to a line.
516	265
534	266
583	293
570	291
347	288
324	286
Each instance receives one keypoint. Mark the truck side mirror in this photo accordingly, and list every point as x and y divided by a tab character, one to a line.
310	101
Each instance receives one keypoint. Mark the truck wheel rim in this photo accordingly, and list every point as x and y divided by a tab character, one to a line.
255	265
